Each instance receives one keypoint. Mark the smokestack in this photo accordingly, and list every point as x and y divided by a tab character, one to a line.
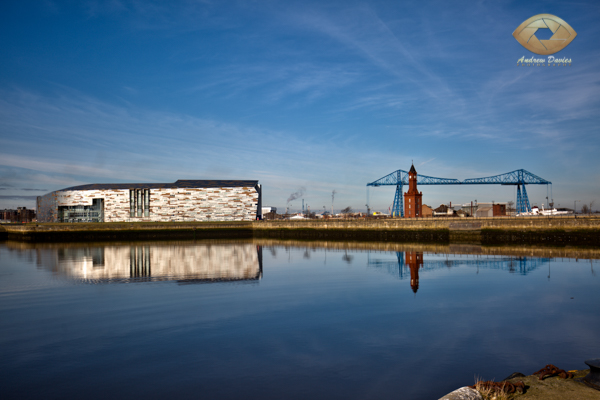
333	192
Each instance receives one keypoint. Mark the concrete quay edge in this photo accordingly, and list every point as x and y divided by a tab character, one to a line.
579	231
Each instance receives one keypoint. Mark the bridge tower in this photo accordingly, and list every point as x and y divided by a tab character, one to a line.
412	198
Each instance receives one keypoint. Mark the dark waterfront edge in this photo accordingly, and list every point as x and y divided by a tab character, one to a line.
362	235
542	237
60	236
579	232
485	237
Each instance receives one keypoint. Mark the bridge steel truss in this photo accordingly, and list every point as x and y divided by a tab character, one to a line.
520	265
519	177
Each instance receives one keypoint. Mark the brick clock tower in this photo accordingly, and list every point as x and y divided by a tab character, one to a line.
412	198
414	260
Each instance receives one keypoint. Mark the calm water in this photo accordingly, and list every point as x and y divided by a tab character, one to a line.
262	320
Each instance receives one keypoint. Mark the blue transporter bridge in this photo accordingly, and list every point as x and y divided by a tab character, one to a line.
519	177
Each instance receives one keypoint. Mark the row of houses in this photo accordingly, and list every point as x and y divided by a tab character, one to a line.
20	215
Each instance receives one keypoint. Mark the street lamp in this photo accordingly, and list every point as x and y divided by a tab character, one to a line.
575	206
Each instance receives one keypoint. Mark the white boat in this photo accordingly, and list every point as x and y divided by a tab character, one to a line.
536	211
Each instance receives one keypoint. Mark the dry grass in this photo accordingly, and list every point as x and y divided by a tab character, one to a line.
490	393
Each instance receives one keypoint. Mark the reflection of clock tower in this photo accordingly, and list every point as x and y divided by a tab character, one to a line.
412	198
414	260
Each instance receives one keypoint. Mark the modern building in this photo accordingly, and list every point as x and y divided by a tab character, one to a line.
184	200
412	198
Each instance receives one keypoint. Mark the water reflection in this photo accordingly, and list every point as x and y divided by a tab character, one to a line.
588	253
328	320
408	264
185	263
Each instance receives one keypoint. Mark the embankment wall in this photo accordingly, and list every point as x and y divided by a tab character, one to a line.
579	231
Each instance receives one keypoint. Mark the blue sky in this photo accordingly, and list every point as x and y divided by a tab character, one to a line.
322	95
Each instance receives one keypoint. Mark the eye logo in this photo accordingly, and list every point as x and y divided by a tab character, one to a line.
563	34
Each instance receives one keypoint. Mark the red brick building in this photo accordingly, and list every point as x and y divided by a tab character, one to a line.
426	211
21	214
499	210
412	198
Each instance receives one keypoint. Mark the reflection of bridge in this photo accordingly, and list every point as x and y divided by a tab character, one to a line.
409	264
519	177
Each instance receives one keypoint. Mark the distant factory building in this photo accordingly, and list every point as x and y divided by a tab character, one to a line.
269	212
490	210
266	210
184	200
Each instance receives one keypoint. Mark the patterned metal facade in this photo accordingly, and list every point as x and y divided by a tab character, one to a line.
179	201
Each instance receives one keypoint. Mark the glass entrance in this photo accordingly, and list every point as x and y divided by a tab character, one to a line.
93	213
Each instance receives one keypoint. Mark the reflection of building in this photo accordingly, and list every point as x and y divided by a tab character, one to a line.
184	200
181	262
414	261
412	198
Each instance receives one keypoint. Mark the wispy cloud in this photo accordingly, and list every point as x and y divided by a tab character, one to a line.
280	81
320	95
131	144
362	30
17	197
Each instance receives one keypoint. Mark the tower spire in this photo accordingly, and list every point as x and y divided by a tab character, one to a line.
412	198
